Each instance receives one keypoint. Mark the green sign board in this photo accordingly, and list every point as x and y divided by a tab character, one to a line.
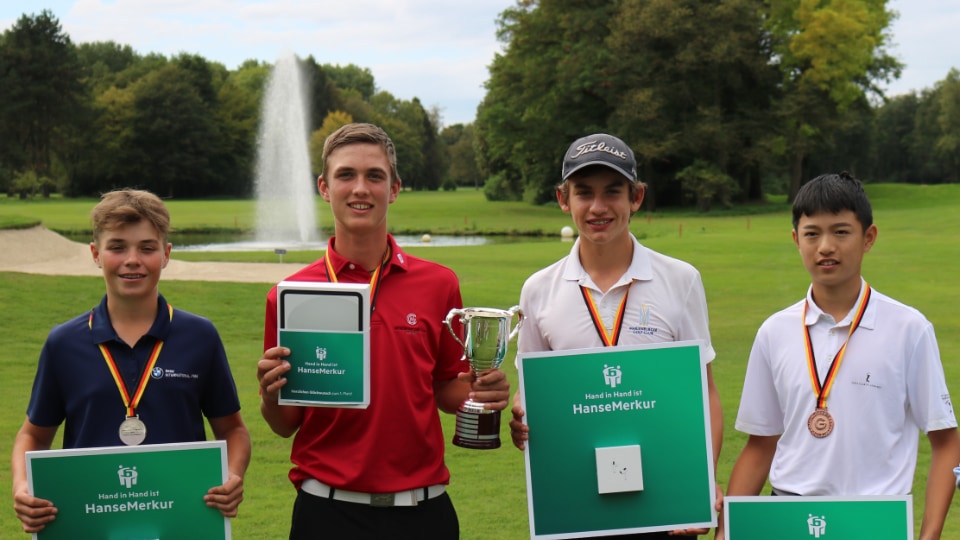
326	326
619	440
327	368
131	492
805	518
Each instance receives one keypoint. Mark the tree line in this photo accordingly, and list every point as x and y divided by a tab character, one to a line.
81	119
722	101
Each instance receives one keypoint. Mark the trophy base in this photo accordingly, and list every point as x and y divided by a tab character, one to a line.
477	428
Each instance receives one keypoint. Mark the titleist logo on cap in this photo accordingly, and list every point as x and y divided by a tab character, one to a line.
593	146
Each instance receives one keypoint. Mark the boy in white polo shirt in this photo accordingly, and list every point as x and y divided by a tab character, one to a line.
611	290
839	385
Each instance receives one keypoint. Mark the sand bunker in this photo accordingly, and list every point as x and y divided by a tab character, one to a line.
42	251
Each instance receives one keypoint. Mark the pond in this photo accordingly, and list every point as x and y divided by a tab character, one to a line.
209	244
242	242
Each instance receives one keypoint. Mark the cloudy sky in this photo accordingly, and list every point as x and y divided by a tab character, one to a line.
437	50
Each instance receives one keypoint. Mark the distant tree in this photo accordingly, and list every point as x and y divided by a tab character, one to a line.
324	95
352	77
706	184
830	53
545	90
893	130
352	103
200	73
334	121
41	93
462	169
173	137
434	155
849	146
947	146
691	88
415	136
103	61
235	116
678	80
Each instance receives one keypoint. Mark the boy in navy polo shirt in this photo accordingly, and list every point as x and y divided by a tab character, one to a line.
132	333
839	385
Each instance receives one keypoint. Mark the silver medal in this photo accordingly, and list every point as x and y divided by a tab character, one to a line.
132	431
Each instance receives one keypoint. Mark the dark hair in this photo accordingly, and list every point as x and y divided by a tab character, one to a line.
833	193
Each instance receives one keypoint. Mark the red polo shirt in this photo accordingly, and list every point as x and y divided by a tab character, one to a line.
396	443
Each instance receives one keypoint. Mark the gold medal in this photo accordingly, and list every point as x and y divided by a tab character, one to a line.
132	431
820	423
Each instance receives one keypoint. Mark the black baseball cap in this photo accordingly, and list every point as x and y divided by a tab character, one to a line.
600	149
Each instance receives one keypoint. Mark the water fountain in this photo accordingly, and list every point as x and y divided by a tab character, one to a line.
285	187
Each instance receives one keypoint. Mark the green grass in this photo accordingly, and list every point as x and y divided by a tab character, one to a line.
748	262
415	212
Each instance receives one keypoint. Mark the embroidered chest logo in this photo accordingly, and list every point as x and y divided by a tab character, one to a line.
412	326
641	325
168	373
868	380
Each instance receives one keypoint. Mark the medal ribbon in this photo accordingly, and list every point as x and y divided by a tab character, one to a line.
374	279
607	339
821	391
131	404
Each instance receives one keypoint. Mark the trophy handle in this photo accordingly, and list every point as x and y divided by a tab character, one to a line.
515	310
454	313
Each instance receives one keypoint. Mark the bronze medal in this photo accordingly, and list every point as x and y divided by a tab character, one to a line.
820	423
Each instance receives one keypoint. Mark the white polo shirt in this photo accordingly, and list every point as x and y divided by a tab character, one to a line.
666	303
889	387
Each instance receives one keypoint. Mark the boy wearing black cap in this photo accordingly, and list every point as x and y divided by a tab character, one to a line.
611	290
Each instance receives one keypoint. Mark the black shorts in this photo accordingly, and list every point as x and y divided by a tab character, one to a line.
319	518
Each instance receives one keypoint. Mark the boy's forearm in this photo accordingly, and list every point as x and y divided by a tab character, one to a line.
944	456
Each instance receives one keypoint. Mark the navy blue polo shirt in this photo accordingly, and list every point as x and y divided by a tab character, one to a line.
191	379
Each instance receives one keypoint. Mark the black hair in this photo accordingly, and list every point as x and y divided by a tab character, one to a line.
833	193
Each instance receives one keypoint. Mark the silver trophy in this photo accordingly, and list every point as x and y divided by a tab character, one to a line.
486	335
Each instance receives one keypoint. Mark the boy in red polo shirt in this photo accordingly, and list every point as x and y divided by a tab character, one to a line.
377	472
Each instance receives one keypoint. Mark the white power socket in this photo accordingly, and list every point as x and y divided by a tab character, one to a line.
618	469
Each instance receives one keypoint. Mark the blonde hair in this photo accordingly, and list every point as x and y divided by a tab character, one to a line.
126	207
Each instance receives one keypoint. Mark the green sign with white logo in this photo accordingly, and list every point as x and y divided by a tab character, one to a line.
131	492
327	369
619	440
326	326
806	518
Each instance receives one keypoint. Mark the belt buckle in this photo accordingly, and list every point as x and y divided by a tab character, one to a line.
381	500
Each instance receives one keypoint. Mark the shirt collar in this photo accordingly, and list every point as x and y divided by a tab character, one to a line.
101	329
398	259
641	266
815	314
